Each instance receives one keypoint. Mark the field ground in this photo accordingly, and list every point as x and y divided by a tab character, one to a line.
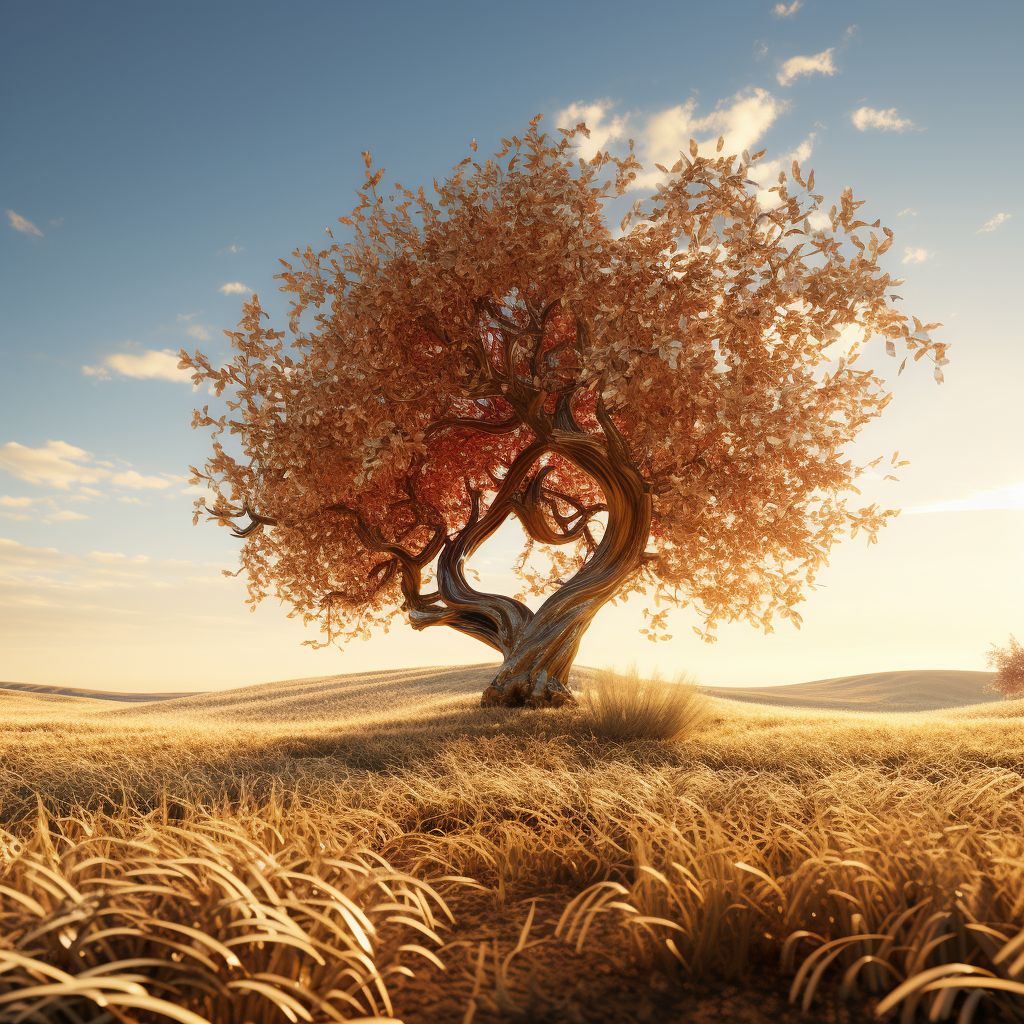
554	875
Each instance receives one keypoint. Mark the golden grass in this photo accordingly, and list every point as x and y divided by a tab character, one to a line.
630	707
877	857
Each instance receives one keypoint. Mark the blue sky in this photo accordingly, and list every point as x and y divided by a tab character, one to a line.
158	158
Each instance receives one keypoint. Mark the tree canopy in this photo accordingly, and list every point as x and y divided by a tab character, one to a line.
663	407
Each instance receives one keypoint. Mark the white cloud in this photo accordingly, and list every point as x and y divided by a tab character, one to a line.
1011	497
795	67
136	481
232	248
198	331
883	120
64	515
186	316
19	223
766	173
56	463
602	132
235	287
991	225
146	365
60	465
132	501
15	515
743	119
782	11
916	255
908	212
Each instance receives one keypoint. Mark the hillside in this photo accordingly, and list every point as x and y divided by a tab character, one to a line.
922	690
371	694
41	690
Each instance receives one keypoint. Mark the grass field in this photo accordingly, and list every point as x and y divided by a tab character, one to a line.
380	846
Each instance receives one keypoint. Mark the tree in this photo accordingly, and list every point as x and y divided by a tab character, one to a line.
1009	665
663	409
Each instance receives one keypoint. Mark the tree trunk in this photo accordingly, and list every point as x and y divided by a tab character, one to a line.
536	669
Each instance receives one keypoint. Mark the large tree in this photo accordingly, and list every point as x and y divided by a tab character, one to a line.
664	409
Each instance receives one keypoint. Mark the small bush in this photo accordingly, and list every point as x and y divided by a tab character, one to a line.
1009	665
627	707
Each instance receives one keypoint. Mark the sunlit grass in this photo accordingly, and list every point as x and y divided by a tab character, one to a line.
631	707
767	839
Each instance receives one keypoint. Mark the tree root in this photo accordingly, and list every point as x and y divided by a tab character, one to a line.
543	691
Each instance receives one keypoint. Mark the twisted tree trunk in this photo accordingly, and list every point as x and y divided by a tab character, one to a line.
536	668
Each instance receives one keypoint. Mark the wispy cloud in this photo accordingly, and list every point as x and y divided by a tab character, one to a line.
1011	497
54	579
991	225
57	463
883	120
19	223
6	501
782	11
62	465
234	288
661	136
186	316
912	255
231	248
198	331
766	172
65	515
603	130
908	212
798	67
136	481
145	365
743	119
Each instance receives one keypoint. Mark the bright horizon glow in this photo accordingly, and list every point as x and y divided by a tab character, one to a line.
185	190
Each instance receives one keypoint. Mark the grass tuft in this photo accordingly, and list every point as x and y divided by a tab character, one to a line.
628	707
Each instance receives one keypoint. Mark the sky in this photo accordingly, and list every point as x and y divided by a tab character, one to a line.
158	160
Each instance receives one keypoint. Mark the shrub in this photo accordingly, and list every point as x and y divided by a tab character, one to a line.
1009	665
627	707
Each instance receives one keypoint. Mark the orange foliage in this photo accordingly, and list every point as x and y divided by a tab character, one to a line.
451	353
1008	662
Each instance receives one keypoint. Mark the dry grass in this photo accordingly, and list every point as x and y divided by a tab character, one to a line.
630	707
877	856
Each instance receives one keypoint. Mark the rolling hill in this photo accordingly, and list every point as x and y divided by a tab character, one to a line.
371	694
923	690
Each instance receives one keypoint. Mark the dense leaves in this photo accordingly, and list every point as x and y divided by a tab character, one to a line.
496	349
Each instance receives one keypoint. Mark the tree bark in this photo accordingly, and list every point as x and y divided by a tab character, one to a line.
536	669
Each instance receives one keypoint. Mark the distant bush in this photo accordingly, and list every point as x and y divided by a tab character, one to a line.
1009	665
627	707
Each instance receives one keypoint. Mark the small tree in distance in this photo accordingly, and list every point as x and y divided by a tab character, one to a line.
1009	665
663	410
